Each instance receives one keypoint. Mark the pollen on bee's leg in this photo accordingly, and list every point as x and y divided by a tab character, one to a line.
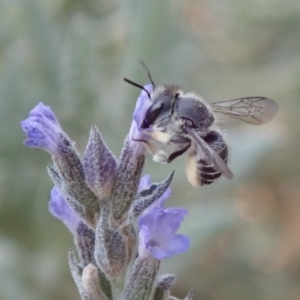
152	147
160	157
161	137
192	171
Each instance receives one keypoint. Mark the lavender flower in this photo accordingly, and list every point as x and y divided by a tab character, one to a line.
158	232
59	208
101	199
43	131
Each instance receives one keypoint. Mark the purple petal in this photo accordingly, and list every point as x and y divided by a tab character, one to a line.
144	183
173	217
158	232
142	104
170	218
177	245
43	110
147	219
43	130
162	199
59	208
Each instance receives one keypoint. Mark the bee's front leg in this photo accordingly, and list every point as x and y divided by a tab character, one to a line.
183	144
158	154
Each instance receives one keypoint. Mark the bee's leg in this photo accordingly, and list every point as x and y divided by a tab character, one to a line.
161	157
155	151
158	154
139	140
193	169
184	142
177	153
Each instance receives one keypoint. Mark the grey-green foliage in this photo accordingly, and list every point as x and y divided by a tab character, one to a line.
72	55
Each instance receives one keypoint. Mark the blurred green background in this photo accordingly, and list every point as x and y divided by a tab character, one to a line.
73	54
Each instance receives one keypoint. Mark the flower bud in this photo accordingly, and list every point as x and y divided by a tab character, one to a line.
99	165
164	284
142	278
111	250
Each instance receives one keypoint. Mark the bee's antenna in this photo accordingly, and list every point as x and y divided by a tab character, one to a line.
148	73
138	85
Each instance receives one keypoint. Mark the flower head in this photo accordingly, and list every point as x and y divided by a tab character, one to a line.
43	130
59	208
158	228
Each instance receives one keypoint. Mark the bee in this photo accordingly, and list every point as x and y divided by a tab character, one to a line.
188	123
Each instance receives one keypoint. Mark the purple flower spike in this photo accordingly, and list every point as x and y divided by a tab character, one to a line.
43	130
59	208
158	232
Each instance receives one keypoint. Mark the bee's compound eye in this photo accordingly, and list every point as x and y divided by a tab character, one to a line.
151	114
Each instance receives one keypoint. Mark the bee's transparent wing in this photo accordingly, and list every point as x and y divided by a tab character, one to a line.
212	156
254	110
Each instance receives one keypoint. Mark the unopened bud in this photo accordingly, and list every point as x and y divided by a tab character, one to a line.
74	187
111	251
127	179
90	283
99	165
142	278
164	284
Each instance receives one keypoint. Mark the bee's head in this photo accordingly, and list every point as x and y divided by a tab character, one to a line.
163	98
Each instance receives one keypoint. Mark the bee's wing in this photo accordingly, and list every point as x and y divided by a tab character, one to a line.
254	110
212	156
